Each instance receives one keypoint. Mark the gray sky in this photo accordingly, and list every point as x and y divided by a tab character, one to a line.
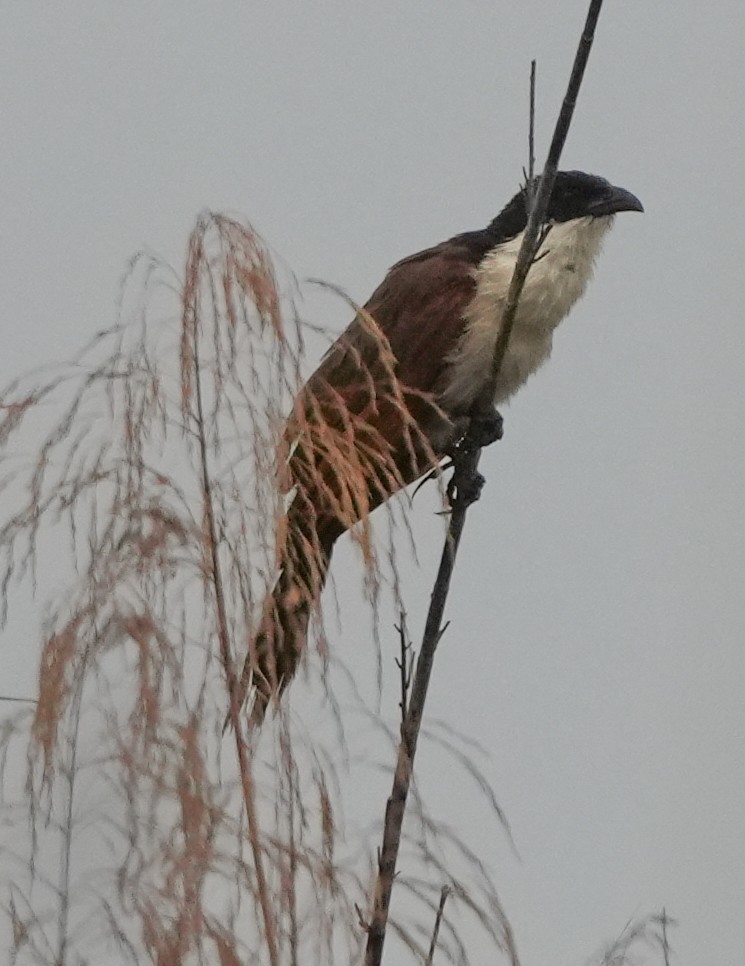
598	612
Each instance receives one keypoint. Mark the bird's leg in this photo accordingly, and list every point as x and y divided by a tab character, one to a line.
467	434
484	427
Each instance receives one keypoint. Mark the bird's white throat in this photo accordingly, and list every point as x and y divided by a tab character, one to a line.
556	280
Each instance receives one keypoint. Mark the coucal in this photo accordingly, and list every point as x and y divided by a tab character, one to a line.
396	392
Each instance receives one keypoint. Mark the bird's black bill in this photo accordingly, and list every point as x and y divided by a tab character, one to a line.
614	200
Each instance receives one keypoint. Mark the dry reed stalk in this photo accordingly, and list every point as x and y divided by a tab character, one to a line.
154	453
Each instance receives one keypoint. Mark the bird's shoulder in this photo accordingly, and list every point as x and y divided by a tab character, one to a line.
418	309
446	262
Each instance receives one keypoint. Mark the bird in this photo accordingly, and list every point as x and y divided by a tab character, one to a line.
398	389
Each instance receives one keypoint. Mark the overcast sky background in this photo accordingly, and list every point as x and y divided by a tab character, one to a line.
598	636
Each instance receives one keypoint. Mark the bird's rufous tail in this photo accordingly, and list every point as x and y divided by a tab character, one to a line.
281	639
354	439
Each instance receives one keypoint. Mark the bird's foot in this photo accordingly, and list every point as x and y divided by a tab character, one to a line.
486	426
482	427
464	487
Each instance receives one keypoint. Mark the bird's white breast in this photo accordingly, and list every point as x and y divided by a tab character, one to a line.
554	283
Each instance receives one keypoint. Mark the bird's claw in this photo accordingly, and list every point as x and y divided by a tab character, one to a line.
465	491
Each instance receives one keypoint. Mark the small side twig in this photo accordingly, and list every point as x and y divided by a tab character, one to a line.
446	890
665	921
404	663
361	921
465	490
530	176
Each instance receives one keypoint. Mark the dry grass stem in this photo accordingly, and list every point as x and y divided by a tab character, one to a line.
161	477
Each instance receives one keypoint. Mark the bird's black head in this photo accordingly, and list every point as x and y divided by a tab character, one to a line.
574	195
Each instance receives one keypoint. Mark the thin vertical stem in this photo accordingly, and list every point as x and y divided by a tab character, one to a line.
291	896
466	489
537	213
530	179
70	773
244	757
444	893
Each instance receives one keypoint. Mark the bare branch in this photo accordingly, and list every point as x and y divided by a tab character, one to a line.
467	483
